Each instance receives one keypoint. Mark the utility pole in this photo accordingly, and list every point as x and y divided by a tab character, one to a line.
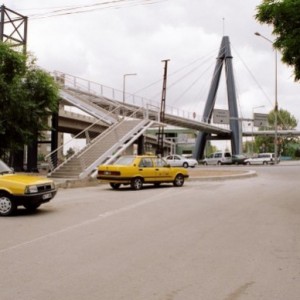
13	32
160	138
276	98
13	28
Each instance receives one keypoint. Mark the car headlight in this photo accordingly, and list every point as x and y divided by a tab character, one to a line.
31	189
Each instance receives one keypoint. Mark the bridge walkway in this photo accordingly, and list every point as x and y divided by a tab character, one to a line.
125	123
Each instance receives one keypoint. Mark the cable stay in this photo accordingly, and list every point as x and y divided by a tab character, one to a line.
270	101
190	69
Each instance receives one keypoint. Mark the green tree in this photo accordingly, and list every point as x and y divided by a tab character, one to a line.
284	16
285	121
28	96
209	149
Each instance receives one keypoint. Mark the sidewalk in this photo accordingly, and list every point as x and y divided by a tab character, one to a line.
196	174
219	174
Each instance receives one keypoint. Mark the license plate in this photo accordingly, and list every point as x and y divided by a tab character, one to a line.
47	196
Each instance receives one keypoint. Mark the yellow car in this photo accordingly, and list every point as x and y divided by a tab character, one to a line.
28	191
139	170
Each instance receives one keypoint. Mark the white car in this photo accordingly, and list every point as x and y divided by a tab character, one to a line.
180	161
262	159
218	158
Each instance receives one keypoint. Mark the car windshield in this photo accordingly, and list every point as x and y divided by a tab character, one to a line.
125	161
4	168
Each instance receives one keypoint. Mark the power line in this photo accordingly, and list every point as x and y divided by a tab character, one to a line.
85	8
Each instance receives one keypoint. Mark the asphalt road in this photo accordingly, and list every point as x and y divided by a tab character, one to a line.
210	240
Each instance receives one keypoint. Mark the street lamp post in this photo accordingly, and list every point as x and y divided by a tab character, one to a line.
276	100
124	82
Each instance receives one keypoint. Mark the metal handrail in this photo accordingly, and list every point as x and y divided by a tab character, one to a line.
114	150
49	156
81	152
113	128
117	95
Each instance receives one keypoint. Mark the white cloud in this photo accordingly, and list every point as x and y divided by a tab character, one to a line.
105	44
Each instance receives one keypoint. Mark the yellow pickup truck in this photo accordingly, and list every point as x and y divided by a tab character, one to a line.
23	190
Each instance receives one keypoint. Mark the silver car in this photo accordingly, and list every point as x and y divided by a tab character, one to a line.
180	161
262	159
218	158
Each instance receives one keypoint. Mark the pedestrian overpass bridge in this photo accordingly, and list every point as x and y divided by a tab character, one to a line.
98	101
117	123
114	121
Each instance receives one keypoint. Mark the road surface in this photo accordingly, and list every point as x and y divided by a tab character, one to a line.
211	240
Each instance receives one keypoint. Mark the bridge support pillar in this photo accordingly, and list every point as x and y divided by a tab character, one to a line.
140	143
32	155
54	139
224	57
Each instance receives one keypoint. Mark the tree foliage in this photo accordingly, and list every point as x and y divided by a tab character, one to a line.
284	16
28	96
285	121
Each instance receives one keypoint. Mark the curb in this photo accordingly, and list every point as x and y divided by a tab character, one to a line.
233	176
74	183
66	183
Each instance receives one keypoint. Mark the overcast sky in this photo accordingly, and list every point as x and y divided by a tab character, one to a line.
134	36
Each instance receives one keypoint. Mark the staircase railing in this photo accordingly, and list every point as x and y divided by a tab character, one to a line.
109	130
97	89
81	154
114	150
55	160
89	107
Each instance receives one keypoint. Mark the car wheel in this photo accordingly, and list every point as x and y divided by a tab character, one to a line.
248	163
185	165
7	205
32	207
115	186
137	183
265	163
179	180
219	163
205	163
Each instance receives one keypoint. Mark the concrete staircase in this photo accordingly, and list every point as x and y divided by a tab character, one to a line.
104	148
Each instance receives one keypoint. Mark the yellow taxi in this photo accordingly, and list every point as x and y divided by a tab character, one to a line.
138	170
26	190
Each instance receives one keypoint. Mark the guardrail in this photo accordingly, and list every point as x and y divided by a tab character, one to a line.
97	89
90	134
52	157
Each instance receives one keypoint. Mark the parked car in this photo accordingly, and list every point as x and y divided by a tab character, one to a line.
181	161
139	170
262	158
26	190
239	159
218	158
